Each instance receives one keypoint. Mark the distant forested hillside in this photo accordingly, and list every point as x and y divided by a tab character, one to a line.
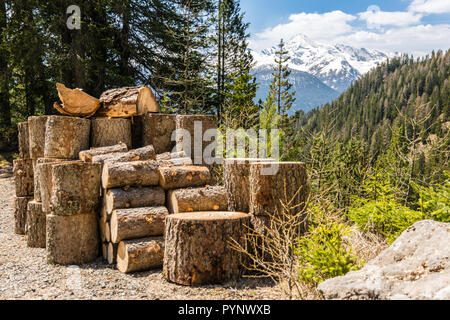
385	98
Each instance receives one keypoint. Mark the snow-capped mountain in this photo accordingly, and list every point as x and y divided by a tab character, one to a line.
335	65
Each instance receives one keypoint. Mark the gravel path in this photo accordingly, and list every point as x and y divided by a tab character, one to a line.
24	274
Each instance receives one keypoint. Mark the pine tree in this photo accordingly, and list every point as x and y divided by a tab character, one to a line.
280	86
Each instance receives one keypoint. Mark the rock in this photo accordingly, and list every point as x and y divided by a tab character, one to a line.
415	266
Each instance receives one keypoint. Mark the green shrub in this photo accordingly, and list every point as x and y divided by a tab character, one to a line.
324	253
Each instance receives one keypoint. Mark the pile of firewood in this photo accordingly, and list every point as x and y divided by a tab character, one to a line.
104	179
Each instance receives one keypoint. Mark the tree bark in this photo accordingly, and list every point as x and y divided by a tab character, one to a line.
209	198
175	162
137	223
236	177
157	130
133	198
23	177
112	252
72	239
20	214
144	153
24	140
107	132
36	130
127	102
197	249
134	173
75	102
87	155
36	225
43	181
188	123
170	155
66	137
286	184
75	188
140	254
183	176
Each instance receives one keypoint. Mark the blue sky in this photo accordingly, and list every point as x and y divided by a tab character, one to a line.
413	26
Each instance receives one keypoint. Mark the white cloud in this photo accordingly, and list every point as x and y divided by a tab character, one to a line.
397	18
430	6
316	26
418	40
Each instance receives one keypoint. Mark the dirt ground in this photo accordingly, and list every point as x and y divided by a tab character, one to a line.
24	273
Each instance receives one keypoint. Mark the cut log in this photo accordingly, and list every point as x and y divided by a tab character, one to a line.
75	188
137	223
134	173
183	176
144	153
20	214
127	102
191	124
175	162
170	155
36	225
24	140
72	239
112	252
140	254
157	129
87	155
36	135
197	249
43	177
287	183
133	198
236	177
107	132
105	251
66	137
102	229
23	177
209	198
76	102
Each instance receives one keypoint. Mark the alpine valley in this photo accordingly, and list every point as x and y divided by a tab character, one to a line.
320	71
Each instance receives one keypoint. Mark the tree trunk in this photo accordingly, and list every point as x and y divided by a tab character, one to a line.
87	155
183	176
112	252
127	102
236	177
105	251
102	229
140	254
23	177
287	183
170	155
133	198
157	130
75	188
66	137
137	223
20	214
190	123
135	173
108	132
197	249
72	239
175	162
207	198
144	153
24	141
108	231
36	225
36	130
75	102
